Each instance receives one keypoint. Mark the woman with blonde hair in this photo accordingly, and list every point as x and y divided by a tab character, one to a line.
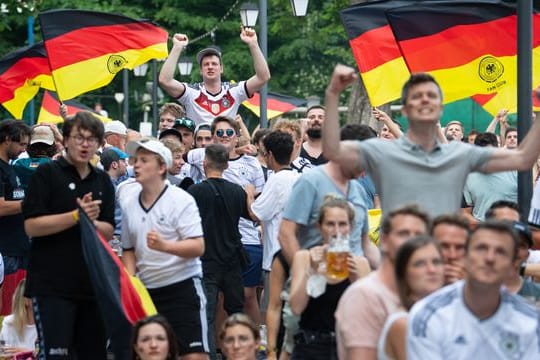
240	337
18	329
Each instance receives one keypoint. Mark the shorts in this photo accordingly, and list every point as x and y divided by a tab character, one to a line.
184	306
252	275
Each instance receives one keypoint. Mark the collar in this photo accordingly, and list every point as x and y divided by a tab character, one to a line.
404	141
66	164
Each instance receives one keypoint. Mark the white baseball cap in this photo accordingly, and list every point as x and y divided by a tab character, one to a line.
42	134
115	127
154	146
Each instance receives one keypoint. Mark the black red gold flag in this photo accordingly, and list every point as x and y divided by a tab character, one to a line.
86	49
277	104
50	109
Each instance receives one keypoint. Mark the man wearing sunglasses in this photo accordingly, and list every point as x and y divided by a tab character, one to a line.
204	101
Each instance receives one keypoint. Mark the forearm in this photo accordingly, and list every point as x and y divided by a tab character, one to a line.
50	224
529	147
372	253
186	248
105	228
129	261
492	125
10	207
330	127
393	127
166	75
298	298
259	63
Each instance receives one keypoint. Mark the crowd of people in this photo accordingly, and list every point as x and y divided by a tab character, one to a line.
258	247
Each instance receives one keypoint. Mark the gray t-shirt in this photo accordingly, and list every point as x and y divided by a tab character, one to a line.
404	173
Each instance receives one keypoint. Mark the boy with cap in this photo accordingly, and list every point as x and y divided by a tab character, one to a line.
114	163
162	239
204	101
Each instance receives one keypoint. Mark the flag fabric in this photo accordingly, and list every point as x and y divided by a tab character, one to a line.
469	47
277	104
86	49
50	109
22	73
375	50
120	301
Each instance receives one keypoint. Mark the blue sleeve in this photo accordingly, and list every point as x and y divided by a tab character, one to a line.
300	202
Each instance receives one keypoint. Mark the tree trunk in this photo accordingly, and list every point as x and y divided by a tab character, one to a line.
359	106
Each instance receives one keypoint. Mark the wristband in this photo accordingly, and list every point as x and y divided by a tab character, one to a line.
522	268
75	214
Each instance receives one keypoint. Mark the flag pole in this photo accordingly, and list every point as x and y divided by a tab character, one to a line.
524	115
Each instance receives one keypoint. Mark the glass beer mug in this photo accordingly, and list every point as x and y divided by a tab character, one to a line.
336	257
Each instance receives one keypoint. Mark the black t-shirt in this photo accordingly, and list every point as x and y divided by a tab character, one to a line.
13	239
57	265
220	222
314	161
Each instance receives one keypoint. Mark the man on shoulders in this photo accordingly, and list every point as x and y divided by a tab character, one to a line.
212	97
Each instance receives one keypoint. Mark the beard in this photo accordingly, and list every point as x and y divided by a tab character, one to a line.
314	133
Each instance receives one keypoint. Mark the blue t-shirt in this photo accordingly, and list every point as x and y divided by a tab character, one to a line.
306	198
369	189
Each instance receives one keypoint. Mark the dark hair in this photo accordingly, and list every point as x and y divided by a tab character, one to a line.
510	129
412	210
486	139
202	127
415	79
281	145
216	157
313	107
14	130
40	149
160	320
502	227
473	132
259	134
239	319
451	219
403	256
357	132
331	201
499	204
84	120
228	120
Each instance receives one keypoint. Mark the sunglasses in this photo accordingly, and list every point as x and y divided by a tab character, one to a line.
229	132
185	122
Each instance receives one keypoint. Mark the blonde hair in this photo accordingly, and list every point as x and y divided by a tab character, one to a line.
19	309
290	126
174	145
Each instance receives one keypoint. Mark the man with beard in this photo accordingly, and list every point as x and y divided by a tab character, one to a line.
14	244
311	151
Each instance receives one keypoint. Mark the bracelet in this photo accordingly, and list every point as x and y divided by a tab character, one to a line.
522	268
75	215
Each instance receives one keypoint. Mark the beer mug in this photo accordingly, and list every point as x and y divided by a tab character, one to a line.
336	257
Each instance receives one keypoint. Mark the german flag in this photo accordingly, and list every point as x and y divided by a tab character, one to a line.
22	73
121	302
469	47
277	104
50	109
375	50
86	49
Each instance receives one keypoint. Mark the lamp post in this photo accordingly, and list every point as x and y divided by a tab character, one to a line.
248	14
185	65
299	7
119	97
141	70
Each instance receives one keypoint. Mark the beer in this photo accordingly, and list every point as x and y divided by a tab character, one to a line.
336	264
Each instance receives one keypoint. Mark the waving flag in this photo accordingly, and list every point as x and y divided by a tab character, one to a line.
50	109
277	104
22	73
469	47
122	299
86	49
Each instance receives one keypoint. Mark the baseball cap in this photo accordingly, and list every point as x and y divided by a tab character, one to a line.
206	52
523	230
116	127
42	134
154	146
184	122
111	154
168	132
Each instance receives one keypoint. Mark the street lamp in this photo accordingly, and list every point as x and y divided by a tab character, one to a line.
119	97
249	13
185	65
141	70
299	7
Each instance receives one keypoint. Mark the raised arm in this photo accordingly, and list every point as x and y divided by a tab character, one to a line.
522	158
262	72
380	115
493	124
166	76
345	153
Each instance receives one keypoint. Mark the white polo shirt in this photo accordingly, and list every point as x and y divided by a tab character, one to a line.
176	217
442	327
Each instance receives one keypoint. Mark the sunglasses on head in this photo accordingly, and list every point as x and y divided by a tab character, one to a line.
228	132
188	123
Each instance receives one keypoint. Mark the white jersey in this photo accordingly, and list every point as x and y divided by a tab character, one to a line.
202	107
241	171
442	327
268	208
175	216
